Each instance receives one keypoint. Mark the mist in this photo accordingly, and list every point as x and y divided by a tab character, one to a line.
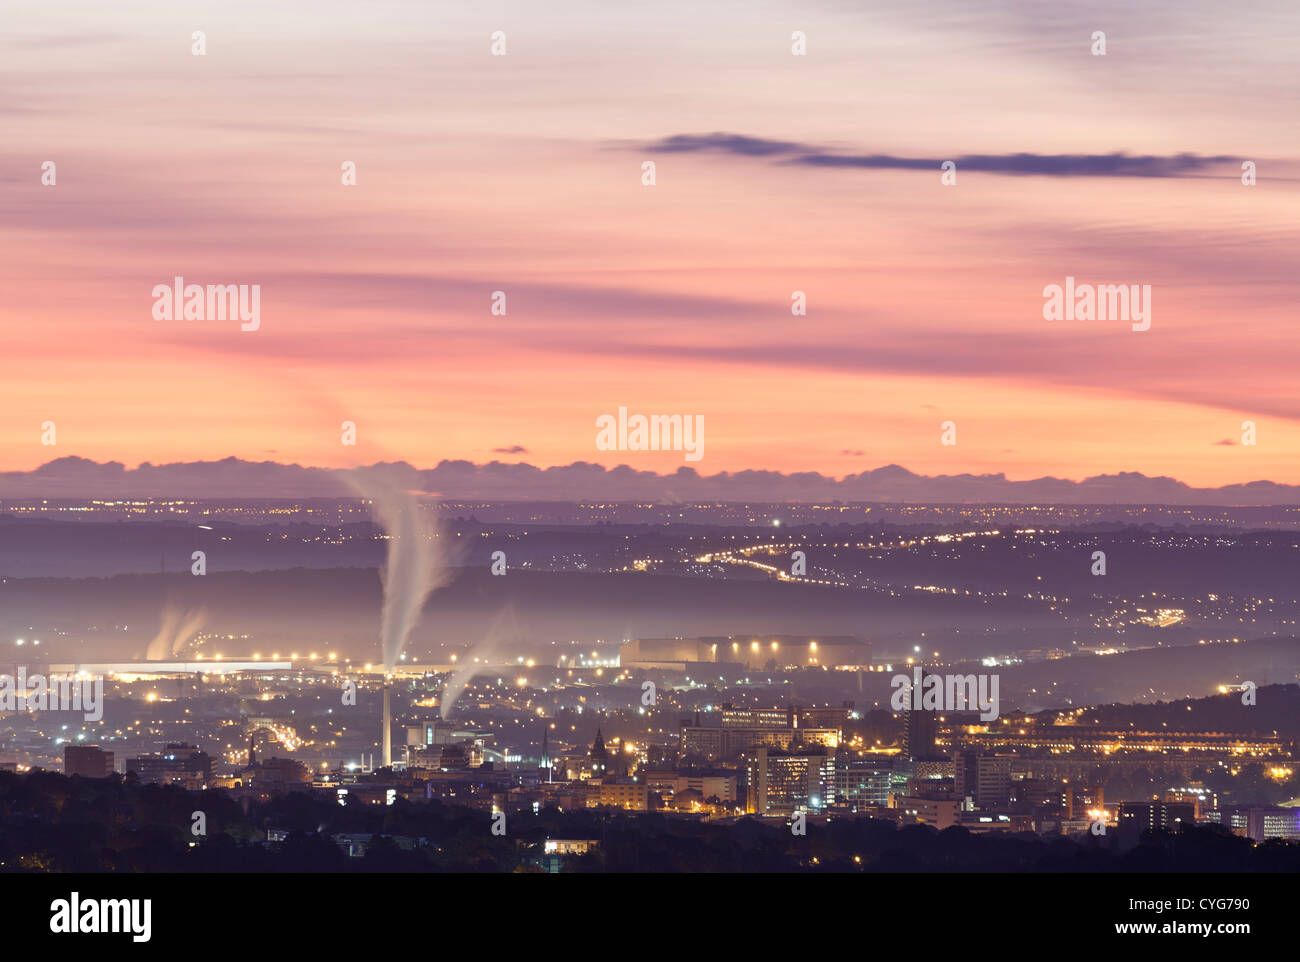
501	641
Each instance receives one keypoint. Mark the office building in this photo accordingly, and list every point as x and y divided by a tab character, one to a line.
781	782
88	761
179	764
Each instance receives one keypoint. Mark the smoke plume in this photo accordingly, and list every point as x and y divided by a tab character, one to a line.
415	564
176	632
503	637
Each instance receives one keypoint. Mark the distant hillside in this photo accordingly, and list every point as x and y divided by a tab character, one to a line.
232	477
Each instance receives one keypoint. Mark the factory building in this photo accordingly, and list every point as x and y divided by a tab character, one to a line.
756	652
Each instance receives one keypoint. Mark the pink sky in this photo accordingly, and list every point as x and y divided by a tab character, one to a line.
522	173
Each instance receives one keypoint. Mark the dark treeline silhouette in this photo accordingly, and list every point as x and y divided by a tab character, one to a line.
52	823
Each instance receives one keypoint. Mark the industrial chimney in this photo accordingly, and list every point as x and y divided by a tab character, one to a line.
388	728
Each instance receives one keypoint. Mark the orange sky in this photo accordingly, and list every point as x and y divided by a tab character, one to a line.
522	173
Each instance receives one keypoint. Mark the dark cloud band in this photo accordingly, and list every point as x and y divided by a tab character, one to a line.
1052	165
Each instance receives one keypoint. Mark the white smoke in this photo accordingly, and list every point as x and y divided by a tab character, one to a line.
186	633
176	631
416	563
503	637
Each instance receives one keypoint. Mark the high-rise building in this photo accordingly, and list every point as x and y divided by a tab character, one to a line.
731	717
983	777
780	782
1168	816
176	764
823	717
1268	822
88	761
1041	794
1201	798
857	783
920	730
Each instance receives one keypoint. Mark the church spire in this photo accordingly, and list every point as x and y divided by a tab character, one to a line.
599	757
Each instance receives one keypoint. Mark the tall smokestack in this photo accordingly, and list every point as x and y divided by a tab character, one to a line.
388	728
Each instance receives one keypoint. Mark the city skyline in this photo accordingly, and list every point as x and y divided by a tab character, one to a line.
706	444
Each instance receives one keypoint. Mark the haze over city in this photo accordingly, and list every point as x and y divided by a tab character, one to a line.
662	440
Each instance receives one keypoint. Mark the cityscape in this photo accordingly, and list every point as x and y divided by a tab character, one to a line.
845	457
1070	708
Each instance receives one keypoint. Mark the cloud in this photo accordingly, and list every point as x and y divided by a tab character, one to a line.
728	143
513	449
1226	442
499	481
1053	165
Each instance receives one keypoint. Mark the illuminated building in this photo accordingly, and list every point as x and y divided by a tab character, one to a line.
557	851
439	758
823	717
1166	816
1258	822
757	652
980	822
939	812
1197	795
740	730
625	795
779	782
177	764
127	670
757	717
1083	739
569	846
599	757
721	786
983	777
858	784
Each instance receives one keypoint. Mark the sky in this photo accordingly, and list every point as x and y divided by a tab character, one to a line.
775	173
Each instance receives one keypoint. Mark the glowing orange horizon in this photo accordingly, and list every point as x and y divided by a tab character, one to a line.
522	174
